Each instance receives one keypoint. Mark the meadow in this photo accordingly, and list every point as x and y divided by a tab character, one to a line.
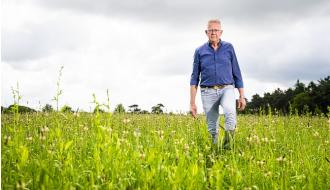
132	151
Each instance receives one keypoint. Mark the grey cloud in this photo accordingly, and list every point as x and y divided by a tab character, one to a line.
191	10
284	72
305	63
36	41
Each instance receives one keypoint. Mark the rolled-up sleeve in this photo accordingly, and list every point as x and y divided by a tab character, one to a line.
194	80
236	70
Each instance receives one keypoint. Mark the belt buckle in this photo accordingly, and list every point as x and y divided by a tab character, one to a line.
219	86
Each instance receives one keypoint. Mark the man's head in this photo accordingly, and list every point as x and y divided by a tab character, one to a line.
214	31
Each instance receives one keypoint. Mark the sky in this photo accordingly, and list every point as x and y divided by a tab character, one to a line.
142	51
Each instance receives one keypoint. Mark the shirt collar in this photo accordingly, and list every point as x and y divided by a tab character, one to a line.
219	44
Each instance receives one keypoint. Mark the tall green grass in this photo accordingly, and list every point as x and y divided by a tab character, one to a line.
88	151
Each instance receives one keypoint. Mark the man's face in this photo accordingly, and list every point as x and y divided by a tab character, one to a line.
213	32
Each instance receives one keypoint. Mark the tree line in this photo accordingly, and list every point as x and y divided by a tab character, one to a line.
313	98
134	109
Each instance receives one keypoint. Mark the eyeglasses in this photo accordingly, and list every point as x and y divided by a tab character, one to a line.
213	30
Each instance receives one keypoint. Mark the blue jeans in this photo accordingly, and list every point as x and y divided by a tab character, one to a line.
212	99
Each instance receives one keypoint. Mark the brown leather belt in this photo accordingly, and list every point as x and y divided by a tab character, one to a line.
215	86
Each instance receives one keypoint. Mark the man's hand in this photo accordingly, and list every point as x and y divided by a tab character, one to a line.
193	110
241	103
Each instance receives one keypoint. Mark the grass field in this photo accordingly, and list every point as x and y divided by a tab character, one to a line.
86	151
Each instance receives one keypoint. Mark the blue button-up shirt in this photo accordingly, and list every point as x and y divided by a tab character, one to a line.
216	67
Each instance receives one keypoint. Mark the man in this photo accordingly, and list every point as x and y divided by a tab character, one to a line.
216	68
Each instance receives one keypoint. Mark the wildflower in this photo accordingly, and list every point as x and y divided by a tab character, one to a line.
326	142
20	185
126	120
142	155
85	128
261	162
186	147
161	134
212	160
44	129
316	134
247	188
29	138
265	140
249	139
281	159
137	133
268	174
241	154
7	139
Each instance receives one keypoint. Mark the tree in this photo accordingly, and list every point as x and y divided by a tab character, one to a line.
299	87
134	108
20	109
157	109
255	104
66	109
120	109
3	109
144	112
98	109
47	108
314	98
301	102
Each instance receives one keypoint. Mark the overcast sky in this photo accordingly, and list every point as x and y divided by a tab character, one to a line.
142	51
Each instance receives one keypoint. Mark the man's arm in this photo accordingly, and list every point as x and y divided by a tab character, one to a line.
241	100
193	107
194	83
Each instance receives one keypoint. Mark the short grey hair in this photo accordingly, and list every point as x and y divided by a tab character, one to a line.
214	21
